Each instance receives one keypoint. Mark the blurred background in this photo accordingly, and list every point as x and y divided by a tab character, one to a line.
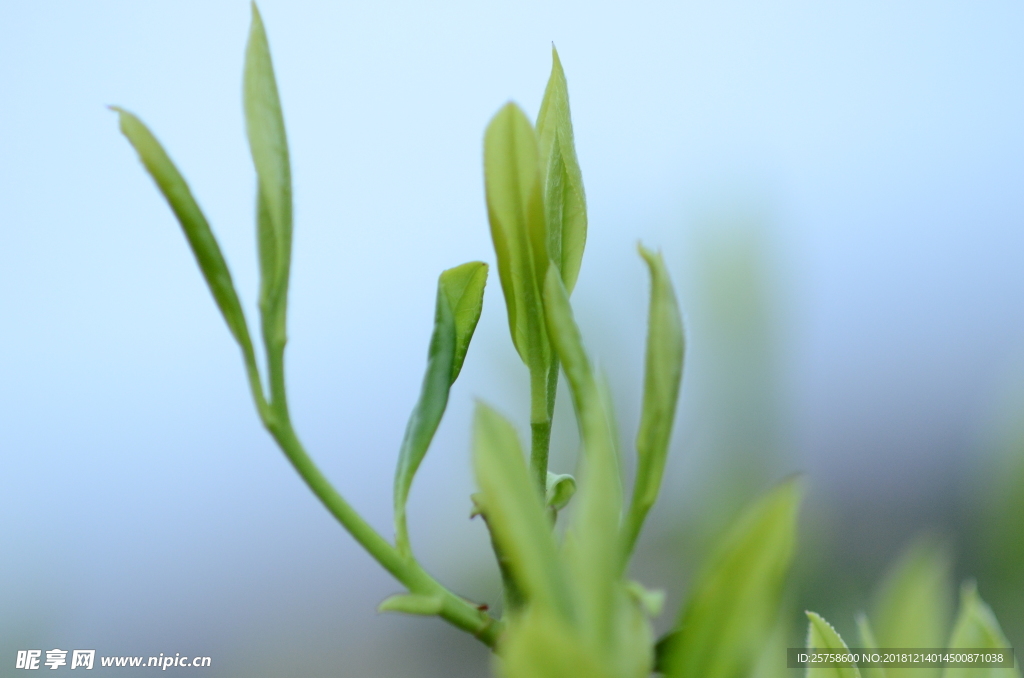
837	190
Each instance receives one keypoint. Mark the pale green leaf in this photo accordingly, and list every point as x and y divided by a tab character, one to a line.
564	198
728	616
464	287
651	600
514	512
560	489
541	644
269	147
868	642
662	376
197	232
412	603
976	627
821	635
515	207
595	524
913	606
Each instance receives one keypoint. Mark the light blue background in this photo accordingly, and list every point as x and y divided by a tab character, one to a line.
877	147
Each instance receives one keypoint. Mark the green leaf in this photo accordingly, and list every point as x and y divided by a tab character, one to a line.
412	603
515	207
913	606
651	600
735	599
868	642
515	514
426	415
459	299
821	635
662	376
596	567
564	198
197	231
464	287
541	644
560	489
269	146
976	627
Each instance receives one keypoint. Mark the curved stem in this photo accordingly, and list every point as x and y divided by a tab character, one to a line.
456	610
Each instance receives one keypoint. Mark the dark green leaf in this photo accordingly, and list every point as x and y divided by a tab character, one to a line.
662	375
426	415
459	298
735	600
564	198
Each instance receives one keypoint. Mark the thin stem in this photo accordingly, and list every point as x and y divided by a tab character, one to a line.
543	387
456	610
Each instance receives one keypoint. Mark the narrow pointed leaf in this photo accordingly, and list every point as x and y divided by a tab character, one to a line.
515	208
662	376
564	198
412	603
735	600
269	146
515	514
595	525
821	635
976	627
913	606
868	642
197	230
459	299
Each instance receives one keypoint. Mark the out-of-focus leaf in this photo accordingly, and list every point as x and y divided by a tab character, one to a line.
651	600
515	514
412	603
868	642
913	606
464	287
729	615
561	487
821	635
595	526
564	199
977	627
662	375
515	207
269	146
197	231
459	299
541	644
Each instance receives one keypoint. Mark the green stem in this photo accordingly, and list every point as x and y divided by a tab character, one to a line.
543	387
456	610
